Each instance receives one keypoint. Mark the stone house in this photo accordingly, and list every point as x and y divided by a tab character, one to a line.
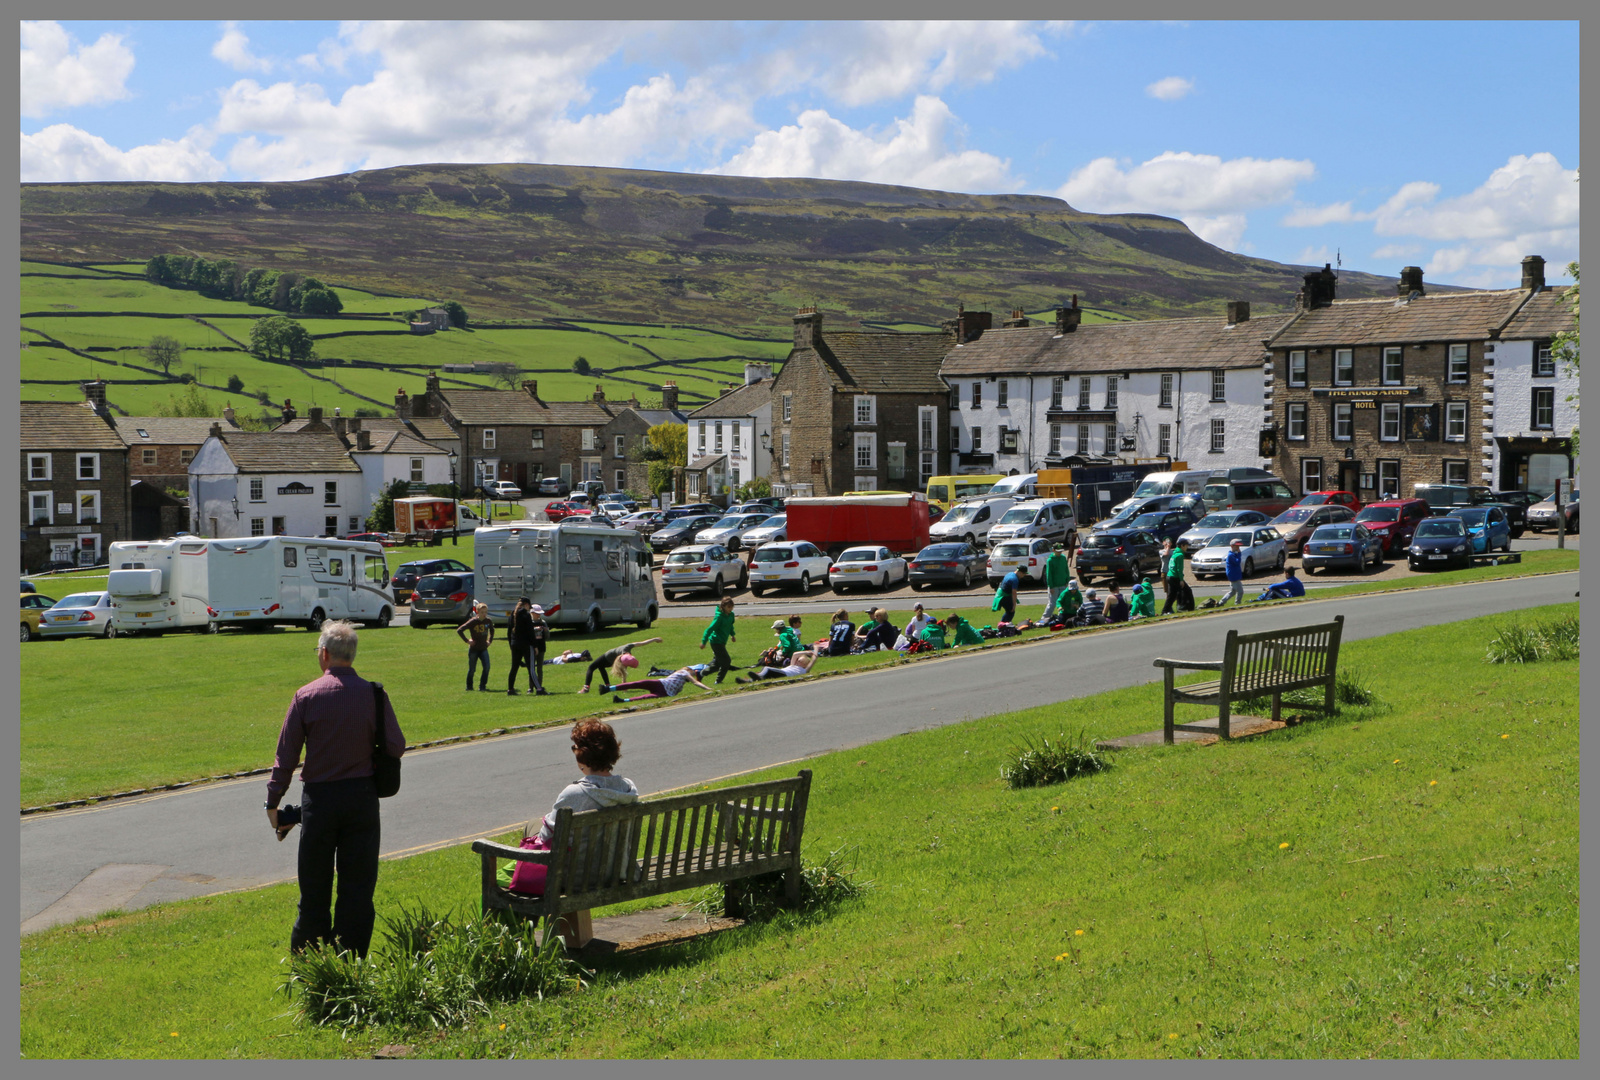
624	436
737	426
275	483
161	447
1530	403
75	483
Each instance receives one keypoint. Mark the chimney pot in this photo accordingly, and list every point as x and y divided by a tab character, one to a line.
1320	289
669	396
1533	272
432	383
807	328
1238	312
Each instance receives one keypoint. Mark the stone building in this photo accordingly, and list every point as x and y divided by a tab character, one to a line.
161	447
75	483
621	440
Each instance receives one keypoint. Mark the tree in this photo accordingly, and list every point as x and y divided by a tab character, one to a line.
758	488
664	446
235	384
192	403
382	517
457	313
506	376
279	337
581	365
163	352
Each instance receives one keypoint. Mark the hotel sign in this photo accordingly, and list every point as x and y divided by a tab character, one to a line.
1369	392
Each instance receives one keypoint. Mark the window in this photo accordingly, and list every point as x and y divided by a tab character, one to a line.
621	447
620	478
1310	475
1111	439
788	400
1544	360
1344	367
278	529
355	523
488	438
866	450
536	438
785	449
88	507
1111	391
977	395
1389	423
866	483
147	456
88	466
416	470
1344	422
1164	441
1083	392
185	456
926	466
330	527
1219	441
977	440
1002	396
1297	367
1388	478
1456	366
1055	440
927	417
1083	439
38	466
1219	386
258	526
1057	388
39	507
1455	472
1166	392
733	479
703	434
955	437
737	429
867	409
590	443
716	438
1455	421
330	493
258	489
1544	408
1296	421
1393	368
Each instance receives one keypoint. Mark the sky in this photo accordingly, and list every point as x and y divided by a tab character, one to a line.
1448	145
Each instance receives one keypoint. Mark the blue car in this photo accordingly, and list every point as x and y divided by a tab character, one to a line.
1487	525
1346	544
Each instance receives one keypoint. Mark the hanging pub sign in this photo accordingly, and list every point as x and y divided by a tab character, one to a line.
1422	423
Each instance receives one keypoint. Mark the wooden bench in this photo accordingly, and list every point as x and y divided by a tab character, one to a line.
1254	665
650	848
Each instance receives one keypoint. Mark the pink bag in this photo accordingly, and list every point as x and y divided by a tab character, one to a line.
527	877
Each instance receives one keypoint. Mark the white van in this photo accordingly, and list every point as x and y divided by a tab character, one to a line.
1048	519
158	586
1021	486
1189	482
262	581
587	575
970	520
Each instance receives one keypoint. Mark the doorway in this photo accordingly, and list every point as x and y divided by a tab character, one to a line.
1349	477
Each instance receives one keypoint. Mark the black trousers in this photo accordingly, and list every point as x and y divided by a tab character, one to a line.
721	663
522	656
339	833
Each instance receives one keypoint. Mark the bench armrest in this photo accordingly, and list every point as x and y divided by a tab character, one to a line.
502	851
1194	665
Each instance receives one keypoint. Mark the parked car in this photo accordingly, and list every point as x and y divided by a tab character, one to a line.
970	521
935	514
33	606
702	566
1517	504
1119	554
1269	496
644	522
408	574
1299	522
559	510
1330	498
947	564
680	532
1166	524
1200	534
375	537
729	531
502	489
797	565
774	528
1439	544
868	566
693	510
27	586
1263	546
1542	515
1049	519
1026	557
445	598
1394	520
78	615
1446	497
771	502
1487	525
1134	508
1344	544
751	507
554	485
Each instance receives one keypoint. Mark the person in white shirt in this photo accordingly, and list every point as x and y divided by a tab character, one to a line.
920	621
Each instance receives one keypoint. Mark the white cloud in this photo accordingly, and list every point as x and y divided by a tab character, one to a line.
887	60
921	150
1317	216
59	73
1398	251
233	49
1172	88
1314	256
62	153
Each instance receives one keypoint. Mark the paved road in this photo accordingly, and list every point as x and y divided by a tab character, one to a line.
214	838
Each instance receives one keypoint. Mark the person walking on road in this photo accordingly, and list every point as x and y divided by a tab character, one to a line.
1171	574
717	635
1057	574
334	719
611	662
1233	566
481	630
521	637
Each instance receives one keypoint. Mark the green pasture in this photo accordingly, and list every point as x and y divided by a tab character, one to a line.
1398	881
28	266
121	294
124	331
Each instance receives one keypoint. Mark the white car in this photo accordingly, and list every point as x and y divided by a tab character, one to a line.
1050	519
702	566
731	529
969	521
773	529
779	566
1026	557
1263	546
867	567
502	489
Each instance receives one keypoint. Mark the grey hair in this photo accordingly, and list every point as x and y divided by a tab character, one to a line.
339	638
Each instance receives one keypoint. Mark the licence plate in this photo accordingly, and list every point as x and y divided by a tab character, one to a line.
241	613
682	571
433	602
772	577
849	570
61	618
1096	566
1436	556
143	614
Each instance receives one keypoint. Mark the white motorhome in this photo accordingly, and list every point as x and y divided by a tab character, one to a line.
262	581
159	586
591	575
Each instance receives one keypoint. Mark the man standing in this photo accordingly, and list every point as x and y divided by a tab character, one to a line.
1172	574
1057	573
717	635
1233	565
334	718
520	634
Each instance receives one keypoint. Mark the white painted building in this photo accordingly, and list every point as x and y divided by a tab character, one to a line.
737	426
387	456
247	483
1530	407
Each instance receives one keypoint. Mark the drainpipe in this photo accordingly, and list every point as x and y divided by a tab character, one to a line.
1032	411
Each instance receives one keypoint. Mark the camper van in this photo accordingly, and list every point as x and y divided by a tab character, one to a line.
587	575
1182	482
159	586
262	581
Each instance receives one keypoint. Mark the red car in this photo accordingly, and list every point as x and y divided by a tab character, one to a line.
1338	498
555	511
1394	521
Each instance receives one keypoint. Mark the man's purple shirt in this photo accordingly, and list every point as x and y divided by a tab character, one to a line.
331	719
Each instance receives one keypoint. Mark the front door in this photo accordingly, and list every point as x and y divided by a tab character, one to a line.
1349	476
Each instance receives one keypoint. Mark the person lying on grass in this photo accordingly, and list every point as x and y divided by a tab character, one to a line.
665	687
613	661
799	664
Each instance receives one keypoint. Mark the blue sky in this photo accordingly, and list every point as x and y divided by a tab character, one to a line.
1453	146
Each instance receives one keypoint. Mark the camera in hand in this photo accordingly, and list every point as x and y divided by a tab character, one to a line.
288	815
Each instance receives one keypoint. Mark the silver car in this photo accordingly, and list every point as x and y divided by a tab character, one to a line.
86	614
730	531
772	530
1200	535
1262	547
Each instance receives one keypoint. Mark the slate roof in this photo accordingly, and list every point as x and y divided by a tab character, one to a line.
885	363
515	407
397	442
168	430
662	416
700	464
432	427
1543	316
1146	345
371	423
284	451
1385	321
741	401
65	425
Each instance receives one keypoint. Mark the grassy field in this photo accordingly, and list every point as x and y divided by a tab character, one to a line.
1397	882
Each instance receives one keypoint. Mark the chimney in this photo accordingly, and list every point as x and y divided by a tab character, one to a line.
402	404
1238	312
1410	281
807	328
1533	272
599	392
216	430
288	412
363	439
228	414
355	424
1069	318
1018	319
95	394
970	325
432	383
754	373
316	416
531	388
669	396
1319	290
338	424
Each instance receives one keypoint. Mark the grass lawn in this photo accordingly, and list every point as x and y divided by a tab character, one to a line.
1398	882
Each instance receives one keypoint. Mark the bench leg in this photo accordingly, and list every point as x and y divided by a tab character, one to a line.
791	886
576	928
1327	698
1277	706
1166	707
1224	715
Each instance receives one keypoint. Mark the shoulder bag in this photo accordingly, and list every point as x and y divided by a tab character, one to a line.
385	768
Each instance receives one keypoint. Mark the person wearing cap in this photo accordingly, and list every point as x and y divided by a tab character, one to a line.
540	638
1071	601
521	638
1092	613
481	629
1057	575
1287	589
1144	600
788	637
613	661
1233	566
717	635
920	621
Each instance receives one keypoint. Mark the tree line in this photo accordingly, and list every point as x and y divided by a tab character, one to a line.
225	279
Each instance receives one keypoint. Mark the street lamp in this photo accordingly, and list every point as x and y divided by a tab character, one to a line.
455	499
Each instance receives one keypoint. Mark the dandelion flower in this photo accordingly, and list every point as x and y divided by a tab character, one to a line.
1397	761
1283	845
502	1027
1433	783
1506	736
174	1034
1174	1035
1077	933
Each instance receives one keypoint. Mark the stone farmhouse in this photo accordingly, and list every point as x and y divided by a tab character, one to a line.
75	482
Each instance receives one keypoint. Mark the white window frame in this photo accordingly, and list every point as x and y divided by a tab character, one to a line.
1544	360
785	449
258	526
716	436
94	466
1219	385
1083	440
1164	440
977	440
330	493
258	489
1455	471
355	524
41	500
1111	439
865	482
925	467
788	407
1002	394
1455	421
927	427
1083	391
1396	354
1307	465
1111	391
977	395
330	525
93	503
147	455
738	430
1164	401
1297	367
416	472
1344	367
1389	422
36	459
536	438
866	411
702	424
1295	416
1543	393
185	456
1219	436
1055	440
1458	363
619	447
488	438
590	442
1344	418
866	456
1058	389
1388	478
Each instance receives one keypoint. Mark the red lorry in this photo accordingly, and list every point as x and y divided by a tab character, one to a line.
898	521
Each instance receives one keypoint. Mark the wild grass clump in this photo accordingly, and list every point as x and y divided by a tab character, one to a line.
823	886
1517	643
1052	762
430	970
1351	686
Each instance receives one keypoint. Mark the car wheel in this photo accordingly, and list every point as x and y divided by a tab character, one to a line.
418	624
385	617
668	594
733	543
314	624
970	539
593	625
650	614
758	590
111	632
805	583
27	632
1283	557
838	590
1249	567
966	578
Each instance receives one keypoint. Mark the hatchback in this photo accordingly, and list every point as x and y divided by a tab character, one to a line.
1165	524
778	566
1487	525
702	566
1203	530
1516	504
970	521
1330	498
1026	557
556	511
502	489
774	528
867	567
1133	508
445	598
677	533
1345	544
1119	554
33	606
947	564
1439	544
1394	520
81	614
1263	546
554	485
1542	515
1299	522
730	530
406	577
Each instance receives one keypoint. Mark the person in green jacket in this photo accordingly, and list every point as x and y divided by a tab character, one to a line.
717	635
1057	575
1172	574
1144	601
1071	601
963	631
934	635
788	638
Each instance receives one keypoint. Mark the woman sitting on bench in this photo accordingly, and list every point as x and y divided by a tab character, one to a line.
596	750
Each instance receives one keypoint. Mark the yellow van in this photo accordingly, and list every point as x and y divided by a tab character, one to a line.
945	491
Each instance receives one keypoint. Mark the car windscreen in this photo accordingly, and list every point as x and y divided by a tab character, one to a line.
729	523
1472	517
776	521
1334	532
1379	513
1441	496
1216	521
940	551
1152	487
678	557
752	520
1011	550
1008	485
1296	515
772	554
959	515
1101	540
1019	515
1149	521
82	599
442	584
859	555
1215	493
1314	499
1225	539
1441	527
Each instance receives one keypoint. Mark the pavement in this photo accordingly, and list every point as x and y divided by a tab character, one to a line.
214	838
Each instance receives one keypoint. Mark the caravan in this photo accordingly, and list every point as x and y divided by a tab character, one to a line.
261	581
158	586
582	575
